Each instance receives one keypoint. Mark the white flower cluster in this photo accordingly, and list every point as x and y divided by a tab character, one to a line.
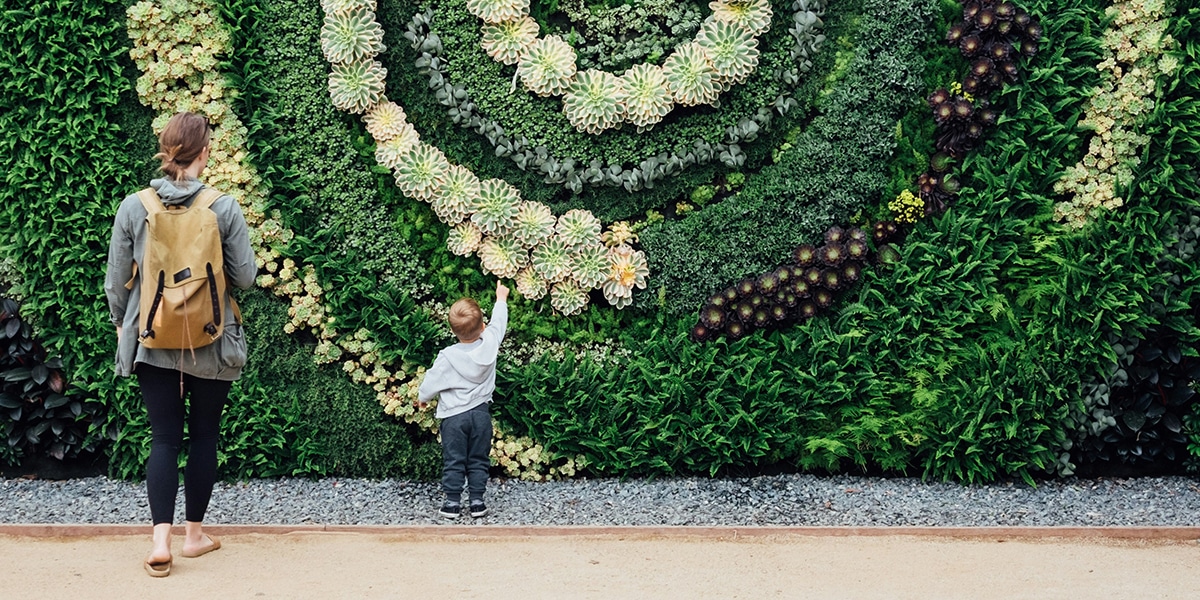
724	53
1138	46
178	47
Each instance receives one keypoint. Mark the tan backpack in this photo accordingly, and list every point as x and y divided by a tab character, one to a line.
183	274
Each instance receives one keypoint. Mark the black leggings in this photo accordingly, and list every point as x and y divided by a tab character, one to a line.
166	407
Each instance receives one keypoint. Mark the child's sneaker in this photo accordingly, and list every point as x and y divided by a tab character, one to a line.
478	509
450	510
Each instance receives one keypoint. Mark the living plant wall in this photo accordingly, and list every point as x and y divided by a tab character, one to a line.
953	240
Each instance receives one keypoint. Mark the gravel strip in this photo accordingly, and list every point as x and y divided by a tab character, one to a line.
800	500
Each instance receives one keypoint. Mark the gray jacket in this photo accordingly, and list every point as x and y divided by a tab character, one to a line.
464	375
222	359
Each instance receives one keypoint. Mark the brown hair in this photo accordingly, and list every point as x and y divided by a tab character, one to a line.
181	142
466	320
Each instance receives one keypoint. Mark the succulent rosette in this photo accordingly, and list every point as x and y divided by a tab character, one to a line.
552	259
453	201
618	234
732	49
647	97
547	66
506	40
357	86
495	11
691	76
385	121
464	238
578	227
533	224
503	257
568	298
590	266
531	285
495	208
390	153
627	269
753	15
421	171
594	101
351	36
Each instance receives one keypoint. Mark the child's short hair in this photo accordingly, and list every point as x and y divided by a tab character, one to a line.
466	320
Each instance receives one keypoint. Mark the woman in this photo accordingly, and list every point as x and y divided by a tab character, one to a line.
202	376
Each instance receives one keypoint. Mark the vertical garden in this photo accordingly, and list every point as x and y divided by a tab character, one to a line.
924	237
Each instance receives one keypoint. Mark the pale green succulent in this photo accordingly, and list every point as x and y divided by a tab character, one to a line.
590	265
390	153
732	49
647	99
627	270
421	171
567	298
691	77
578	227
345	6
506	40
533	224
357	86
385	121
456	196
552	259
594	101
503	257
547	66
496	206
754	15
531	285
351	36
495	11
464	238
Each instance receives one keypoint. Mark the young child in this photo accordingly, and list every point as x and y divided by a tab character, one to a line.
464	376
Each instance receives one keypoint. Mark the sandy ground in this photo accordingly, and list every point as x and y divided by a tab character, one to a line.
364	565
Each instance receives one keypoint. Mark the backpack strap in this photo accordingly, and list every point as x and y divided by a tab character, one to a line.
151	201
208	196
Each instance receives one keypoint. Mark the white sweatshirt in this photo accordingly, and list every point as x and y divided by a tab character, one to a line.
464	375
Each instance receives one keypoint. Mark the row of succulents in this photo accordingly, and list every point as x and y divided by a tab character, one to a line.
800	290
513	238
723	54
576	173
989	35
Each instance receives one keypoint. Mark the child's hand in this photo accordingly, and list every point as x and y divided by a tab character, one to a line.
501	291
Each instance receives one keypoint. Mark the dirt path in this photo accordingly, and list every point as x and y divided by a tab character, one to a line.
361	565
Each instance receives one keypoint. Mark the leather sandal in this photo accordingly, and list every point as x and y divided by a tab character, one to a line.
157	569
215	545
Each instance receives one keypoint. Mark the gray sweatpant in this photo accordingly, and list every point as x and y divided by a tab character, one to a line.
466	444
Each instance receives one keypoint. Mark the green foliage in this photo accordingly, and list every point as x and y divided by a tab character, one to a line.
69	159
